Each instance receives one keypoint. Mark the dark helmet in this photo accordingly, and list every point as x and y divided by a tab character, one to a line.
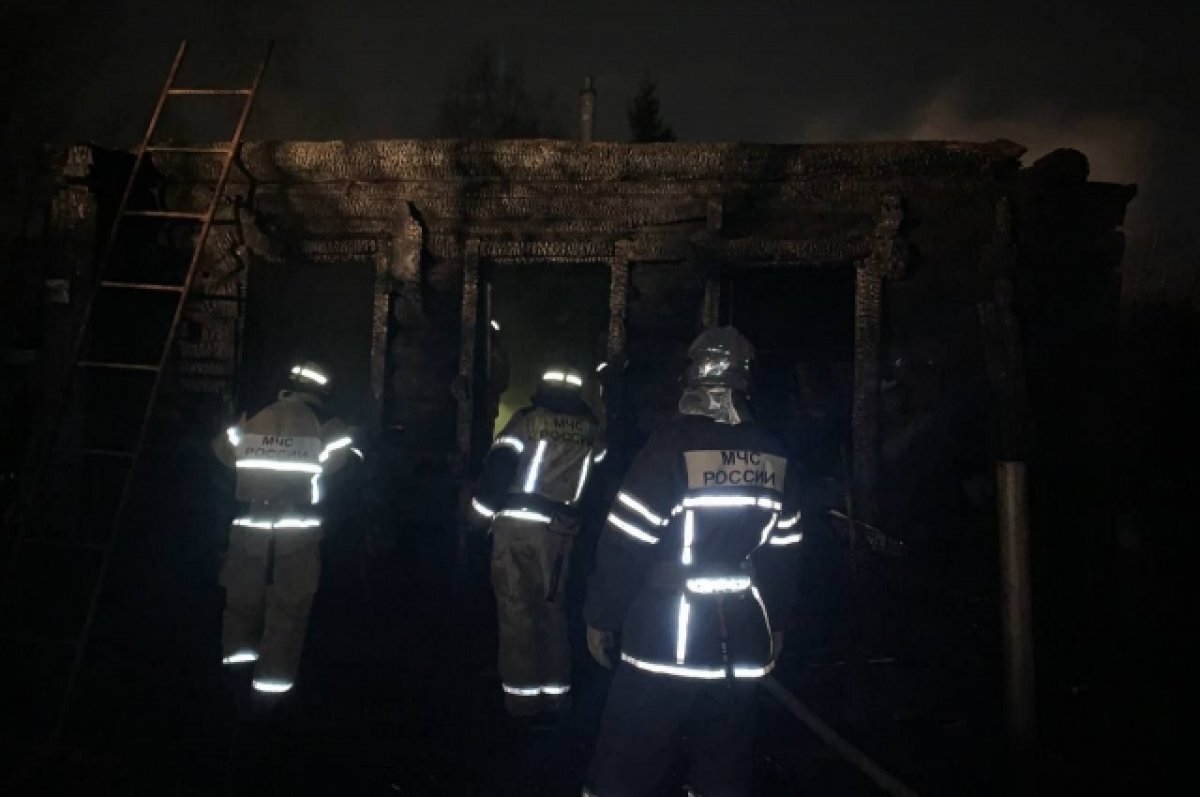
311	376
720	357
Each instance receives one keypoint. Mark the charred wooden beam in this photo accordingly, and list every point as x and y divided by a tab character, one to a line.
1012	439
888	258
392	160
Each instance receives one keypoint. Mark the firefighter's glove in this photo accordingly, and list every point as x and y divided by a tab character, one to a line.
599	644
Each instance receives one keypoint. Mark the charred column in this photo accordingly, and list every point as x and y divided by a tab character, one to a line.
888	259
714	217
587	110
1011	442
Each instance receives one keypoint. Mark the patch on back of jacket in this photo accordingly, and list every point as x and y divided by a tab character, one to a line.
278	448
733	468
556	428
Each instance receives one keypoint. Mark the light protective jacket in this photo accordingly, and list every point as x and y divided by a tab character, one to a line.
281	455
696	565
540	464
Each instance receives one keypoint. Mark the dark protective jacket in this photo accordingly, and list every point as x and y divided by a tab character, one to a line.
697	562
540	463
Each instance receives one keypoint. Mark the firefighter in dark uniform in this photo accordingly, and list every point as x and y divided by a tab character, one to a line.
533	480
282	455
696	568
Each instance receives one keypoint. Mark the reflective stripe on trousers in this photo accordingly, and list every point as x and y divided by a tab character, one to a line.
529	575
270	620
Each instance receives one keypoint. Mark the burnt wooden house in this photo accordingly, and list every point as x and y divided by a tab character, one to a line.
390	259
877	280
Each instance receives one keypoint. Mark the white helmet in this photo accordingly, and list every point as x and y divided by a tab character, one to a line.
311	376
720	357
556	378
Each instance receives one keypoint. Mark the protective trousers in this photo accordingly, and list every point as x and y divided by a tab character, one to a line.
529	574
265	621
648	717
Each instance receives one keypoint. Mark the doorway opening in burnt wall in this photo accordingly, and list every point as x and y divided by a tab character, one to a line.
801	321
538	317
302	308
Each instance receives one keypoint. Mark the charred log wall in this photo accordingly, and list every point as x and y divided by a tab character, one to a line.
413	208
1068	289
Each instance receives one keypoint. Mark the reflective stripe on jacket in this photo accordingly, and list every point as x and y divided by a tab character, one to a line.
282	452
697	560
541	462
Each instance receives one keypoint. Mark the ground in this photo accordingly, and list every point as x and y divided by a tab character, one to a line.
398	693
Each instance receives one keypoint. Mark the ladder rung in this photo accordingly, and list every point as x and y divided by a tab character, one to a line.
207	92
187	150
46	541
166	214
142	286
117	366
218	297
212	377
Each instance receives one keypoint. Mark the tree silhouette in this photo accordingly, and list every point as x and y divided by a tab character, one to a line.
486	98
645	124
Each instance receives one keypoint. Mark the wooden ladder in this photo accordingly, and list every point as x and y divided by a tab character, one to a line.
100	418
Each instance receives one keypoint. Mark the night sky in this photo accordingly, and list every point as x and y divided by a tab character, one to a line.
1118	80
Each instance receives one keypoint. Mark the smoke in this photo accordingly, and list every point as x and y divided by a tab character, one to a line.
1120	149
783	72
1161	249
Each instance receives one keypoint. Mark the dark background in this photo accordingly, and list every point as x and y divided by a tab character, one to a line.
1115	79
309	310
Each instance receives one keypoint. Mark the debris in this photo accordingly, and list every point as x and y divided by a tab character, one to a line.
878	542
849	752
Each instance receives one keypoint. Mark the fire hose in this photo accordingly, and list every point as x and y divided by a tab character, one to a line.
822	731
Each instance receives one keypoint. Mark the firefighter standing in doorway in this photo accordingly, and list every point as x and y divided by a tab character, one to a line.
282	455
696	568
533	479
499	369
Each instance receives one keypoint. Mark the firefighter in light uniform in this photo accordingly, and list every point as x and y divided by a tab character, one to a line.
534	477
696	568
499	371
282	455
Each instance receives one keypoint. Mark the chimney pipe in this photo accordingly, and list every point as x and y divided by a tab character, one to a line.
587	110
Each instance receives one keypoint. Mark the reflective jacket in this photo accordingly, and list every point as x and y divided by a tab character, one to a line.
281	454
540	464
697	561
